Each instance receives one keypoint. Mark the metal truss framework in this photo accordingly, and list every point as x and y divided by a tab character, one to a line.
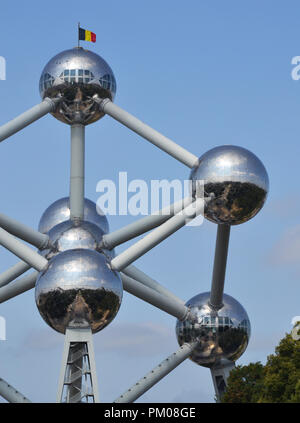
78	357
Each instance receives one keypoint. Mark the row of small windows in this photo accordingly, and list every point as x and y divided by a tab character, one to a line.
74	72
211	321
107	82
77	75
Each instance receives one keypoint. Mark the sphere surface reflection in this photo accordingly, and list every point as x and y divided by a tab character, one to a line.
235	180
222	335
78	76
78	289
72	235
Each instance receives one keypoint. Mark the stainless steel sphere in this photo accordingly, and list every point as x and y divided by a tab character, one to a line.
72	235
235	179
59	212
78	289
223	335
78	75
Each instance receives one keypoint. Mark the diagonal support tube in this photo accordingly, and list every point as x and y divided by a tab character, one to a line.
157	235
24	232
134	273
21	250
9	393
17	287
167	304
46	106
135	229
145	131
151	378
218	278
77	171
13	272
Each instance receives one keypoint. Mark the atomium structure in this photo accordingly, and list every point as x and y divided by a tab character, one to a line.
78	277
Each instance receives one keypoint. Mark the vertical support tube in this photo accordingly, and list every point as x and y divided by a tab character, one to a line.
218	278
77	171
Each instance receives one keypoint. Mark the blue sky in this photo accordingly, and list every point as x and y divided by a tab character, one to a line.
204	74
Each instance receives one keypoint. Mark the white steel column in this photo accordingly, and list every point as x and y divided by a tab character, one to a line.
218	278
77	171
220	374
78	378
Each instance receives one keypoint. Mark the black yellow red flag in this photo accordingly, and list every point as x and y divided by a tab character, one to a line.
85	35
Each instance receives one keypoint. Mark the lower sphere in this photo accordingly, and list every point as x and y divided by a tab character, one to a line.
78	289
222	334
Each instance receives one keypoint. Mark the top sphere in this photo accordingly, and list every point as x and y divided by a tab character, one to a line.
235	179
79	76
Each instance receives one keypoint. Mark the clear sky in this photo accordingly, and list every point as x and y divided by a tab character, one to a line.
204	74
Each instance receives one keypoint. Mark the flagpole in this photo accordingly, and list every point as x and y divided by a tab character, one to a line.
78	33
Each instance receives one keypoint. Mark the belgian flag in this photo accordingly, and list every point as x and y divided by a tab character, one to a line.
85	35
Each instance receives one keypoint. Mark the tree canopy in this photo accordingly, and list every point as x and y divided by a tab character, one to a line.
277	381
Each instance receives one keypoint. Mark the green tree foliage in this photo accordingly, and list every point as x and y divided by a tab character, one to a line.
276	382
282	372
245	384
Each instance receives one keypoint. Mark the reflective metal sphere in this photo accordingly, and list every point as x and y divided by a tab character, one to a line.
59	212
235	179
223	334
79	76
72	235
77	289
